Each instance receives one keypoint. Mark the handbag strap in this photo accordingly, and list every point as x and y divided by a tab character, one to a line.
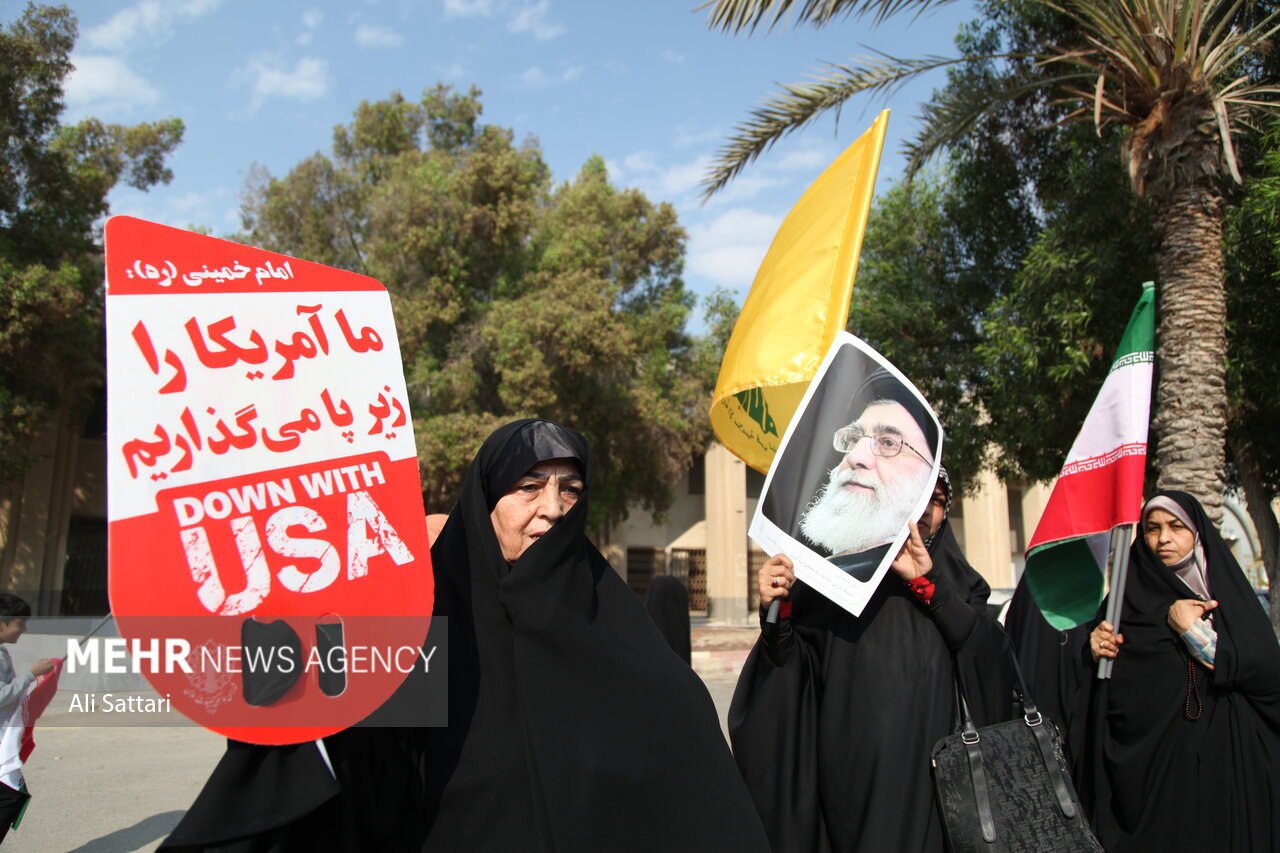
977	774
1035	722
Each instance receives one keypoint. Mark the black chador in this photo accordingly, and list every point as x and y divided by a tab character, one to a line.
572	724
1175	756
835	716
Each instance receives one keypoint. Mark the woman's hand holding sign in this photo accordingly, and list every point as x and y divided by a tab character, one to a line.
775	579
913	560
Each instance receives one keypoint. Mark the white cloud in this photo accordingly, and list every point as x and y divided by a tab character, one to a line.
311	20
680	179
746	185
665	182
533	78
269	77
675	57
532	18
468	8
640	161
728	249
795	159
688	133
145	22
104	84
453	71
368	35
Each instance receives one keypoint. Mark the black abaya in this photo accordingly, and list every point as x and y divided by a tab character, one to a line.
572	725
274	799
667	602
1155	779
1049	657
834	717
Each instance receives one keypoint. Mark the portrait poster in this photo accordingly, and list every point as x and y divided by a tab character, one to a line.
268	550
842	515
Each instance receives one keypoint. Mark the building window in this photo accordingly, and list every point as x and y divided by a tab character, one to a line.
755	482
84	575
698	475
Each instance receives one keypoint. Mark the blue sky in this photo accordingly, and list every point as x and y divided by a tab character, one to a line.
642	83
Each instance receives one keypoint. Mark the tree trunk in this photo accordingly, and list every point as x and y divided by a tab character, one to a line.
1191	398
1258	499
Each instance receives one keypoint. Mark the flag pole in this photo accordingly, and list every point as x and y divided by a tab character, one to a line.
96	628
1117	576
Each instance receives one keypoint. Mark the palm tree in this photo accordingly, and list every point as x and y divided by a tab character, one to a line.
1179	76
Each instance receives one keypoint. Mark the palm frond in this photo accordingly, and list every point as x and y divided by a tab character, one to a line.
735	16
798	104
955	112
1224	130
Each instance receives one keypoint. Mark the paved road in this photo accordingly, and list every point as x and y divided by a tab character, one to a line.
119	790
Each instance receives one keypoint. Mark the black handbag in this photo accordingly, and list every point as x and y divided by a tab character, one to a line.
1006	787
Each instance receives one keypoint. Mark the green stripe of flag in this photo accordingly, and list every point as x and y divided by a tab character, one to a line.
1140	335
1068	575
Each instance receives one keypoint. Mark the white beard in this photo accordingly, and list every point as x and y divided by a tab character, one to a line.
850	522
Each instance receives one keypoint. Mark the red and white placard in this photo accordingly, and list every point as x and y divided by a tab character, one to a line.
261	465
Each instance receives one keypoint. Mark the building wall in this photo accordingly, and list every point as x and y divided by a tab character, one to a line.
67	478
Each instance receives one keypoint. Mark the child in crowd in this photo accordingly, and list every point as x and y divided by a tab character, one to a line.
14	613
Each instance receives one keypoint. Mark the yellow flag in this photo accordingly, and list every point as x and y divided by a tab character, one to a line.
797	304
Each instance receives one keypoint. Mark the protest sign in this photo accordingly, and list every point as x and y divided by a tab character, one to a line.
856	466
269	563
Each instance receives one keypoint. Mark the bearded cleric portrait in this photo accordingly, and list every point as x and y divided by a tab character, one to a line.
857	464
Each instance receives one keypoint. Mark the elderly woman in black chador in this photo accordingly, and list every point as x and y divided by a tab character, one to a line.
1183	742
835	716
572	724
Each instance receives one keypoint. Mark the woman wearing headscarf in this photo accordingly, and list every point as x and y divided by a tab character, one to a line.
1183	750
835	716
572	726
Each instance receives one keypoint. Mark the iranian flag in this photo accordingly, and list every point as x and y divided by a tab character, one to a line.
1100	486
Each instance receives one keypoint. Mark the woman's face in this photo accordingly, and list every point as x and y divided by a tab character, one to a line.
1169	538
537	501
934	514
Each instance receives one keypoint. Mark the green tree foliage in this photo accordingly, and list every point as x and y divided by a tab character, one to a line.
1003	283
1253	327
914	302
513	297
53	193
1183	82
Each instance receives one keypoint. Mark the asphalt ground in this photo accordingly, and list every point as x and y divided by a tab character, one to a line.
115	789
